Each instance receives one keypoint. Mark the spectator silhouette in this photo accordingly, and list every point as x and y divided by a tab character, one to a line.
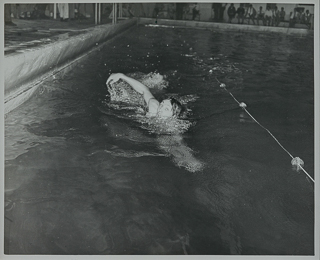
275	16
303	17
231	12
195	11
293	18
240	14
268	16
282	14
251	14
221	13
260	16
218	10
298	16
308	19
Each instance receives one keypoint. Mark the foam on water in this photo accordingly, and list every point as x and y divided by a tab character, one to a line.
164	125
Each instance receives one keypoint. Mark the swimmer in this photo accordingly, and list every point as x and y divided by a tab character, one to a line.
168	128
168	108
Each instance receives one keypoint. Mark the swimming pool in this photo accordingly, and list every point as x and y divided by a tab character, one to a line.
83	179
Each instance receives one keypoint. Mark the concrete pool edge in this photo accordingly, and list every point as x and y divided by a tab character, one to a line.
224	26
23	71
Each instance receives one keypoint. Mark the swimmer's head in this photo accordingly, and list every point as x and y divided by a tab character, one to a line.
170	108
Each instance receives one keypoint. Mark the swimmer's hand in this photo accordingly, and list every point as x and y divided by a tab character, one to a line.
114	78
136	85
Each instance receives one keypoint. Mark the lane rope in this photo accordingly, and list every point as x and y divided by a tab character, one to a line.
295	161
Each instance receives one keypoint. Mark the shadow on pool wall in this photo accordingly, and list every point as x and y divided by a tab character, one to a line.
86	200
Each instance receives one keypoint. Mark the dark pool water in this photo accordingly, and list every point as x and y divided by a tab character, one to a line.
82	179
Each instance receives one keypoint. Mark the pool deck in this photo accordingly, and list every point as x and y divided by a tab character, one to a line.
36	49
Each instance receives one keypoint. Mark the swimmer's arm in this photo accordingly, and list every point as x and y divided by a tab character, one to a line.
136	85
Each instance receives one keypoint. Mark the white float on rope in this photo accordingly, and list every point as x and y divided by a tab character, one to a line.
296	161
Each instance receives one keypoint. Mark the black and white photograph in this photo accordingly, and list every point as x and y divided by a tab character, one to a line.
146	128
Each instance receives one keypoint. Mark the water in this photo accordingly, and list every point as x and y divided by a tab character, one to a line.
83	177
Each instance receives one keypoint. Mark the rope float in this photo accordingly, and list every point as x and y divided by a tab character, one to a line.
295	161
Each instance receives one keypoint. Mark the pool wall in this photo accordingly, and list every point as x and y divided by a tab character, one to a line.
24	70
225	26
